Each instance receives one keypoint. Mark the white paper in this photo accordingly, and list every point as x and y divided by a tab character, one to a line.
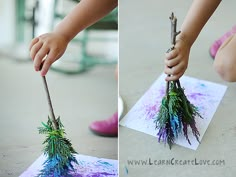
88	167
203	94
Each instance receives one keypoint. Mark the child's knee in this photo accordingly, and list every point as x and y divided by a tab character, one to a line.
225	68
225	60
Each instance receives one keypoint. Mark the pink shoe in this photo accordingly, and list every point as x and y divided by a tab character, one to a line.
216	45
108	127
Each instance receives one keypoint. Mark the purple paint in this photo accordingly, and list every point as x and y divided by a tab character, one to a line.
162	135
77	175
88	167
98	174
162	92
151	111
102	174
195	96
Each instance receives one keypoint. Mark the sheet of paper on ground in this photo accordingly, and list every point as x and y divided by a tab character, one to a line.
203	94
88	167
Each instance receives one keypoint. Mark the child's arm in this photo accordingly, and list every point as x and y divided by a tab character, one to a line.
54	44
198	14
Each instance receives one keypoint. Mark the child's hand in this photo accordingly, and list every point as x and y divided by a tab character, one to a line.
177	60
49	45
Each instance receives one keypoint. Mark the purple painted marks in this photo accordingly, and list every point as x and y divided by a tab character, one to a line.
151	111
88	167
199	95
77	175
162	91
151	105
97	174
102	174
196	96
99	168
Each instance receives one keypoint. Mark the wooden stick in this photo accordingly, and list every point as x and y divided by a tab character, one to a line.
52	115
173	21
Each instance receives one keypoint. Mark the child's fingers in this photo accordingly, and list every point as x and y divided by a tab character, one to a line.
172	63
171	71
175	72
168	70
40	56
172	54
51	57
35	48
34	41
45	67
180	68
174	77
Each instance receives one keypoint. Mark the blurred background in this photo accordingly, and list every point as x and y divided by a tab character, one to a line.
82	83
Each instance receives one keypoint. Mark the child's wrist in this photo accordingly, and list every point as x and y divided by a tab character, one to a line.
183	37
63	35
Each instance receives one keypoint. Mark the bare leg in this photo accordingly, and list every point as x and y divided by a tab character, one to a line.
225	60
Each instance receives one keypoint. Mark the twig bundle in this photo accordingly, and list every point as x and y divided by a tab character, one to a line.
176	112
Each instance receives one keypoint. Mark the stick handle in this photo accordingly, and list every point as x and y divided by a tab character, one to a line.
173	21
52	115
174	33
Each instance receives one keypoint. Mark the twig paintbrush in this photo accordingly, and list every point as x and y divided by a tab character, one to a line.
176	112
58	149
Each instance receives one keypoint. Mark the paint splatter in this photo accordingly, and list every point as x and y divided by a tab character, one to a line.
88	167
151	105
196	96
126	170
151	111
102	174
104	163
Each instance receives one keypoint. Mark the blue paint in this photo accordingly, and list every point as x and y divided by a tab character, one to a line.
126	170
104	163
175	125
203	85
